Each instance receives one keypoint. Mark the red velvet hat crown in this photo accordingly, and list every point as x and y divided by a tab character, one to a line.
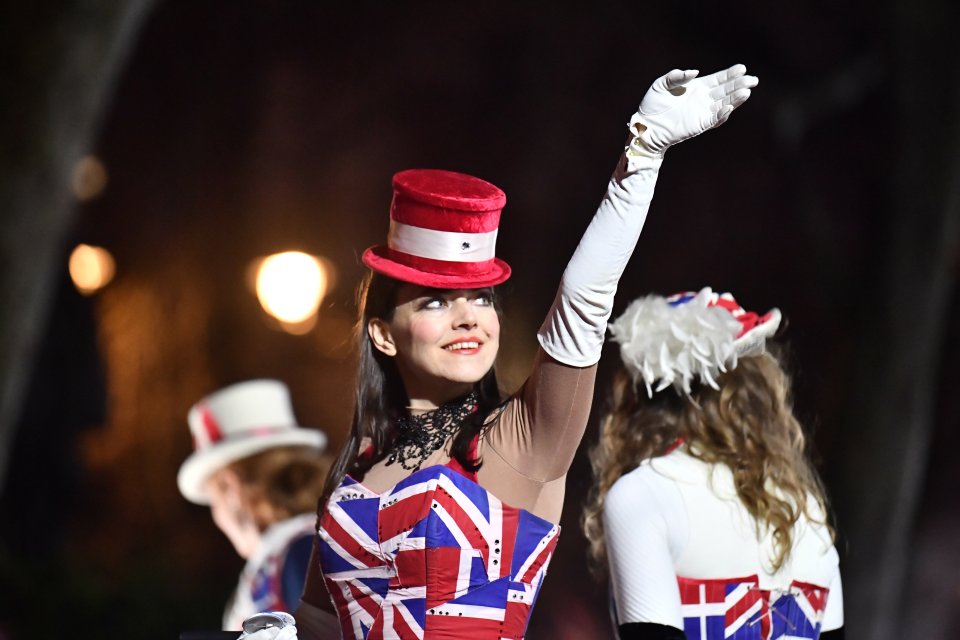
443	231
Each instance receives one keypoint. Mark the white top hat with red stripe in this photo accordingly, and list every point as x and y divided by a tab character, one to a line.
443	231
690	336
236	422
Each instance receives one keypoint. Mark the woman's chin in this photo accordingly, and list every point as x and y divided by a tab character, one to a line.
468	376
460	386
451	386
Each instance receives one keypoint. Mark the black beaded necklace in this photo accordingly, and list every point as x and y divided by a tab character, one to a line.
419	436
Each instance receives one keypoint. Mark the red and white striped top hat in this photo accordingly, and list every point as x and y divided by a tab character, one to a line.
236	422
443	231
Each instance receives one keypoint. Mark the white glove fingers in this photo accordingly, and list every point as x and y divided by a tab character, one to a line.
722	109
662	83
743	82
677	78
732	87
723	114
736	70
272	633
724	75
665	90
737	98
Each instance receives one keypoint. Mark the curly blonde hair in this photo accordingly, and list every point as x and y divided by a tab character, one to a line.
748	425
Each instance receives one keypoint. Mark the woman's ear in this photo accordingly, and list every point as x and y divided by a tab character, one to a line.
379	332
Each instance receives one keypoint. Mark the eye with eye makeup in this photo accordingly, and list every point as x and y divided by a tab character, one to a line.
483	298
432	303
480	298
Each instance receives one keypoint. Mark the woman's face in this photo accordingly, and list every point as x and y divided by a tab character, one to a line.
444	340
231	513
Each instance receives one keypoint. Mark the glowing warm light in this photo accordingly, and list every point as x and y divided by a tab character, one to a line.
91	268
290	287
89	178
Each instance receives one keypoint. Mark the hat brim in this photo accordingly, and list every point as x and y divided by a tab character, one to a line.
377	259
754	341
201	464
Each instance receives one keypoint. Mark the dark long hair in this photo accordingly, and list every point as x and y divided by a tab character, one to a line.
381	397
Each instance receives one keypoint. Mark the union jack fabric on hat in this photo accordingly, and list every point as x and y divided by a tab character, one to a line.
437	555
688	337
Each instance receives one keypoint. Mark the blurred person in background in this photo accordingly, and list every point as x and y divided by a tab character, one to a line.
261	474
706	509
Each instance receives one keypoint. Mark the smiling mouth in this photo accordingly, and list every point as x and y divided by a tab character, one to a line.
466	345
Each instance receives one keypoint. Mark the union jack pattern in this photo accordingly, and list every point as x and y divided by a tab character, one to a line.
737	609
436	557
260	587
748	319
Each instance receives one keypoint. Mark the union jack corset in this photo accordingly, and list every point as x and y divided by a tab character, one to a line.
737	609
435	557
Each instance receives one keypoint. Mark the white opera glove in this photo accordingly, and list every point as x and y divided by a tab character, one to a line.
282	626
574	330
679	106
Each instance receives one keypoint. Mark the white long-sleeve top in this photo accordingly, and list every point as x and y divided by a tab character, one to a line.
675	526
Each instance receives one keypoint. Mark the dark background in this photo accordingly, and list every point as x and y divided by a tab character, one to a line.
235	129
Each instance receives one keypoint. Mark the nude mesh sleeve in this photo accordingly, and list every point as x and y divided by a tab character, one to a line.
538	433
644	525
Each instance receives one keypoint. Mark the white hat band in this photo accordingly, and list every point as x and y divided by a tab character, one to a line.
449	246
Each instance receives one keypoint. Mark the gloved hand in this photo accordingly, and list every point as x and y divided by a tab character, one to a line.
273	633
282	627
679	106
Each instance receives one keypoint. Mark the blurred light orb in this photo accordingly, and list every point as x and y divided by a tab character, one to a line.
91	268
290	286
89	178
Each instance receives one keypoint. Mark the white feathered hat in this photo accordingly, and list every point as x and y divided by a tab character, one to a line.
236	422
688	336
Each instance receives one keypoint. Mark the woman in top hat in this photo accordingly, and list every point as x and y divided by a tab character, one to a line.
261	475
440	513
705	510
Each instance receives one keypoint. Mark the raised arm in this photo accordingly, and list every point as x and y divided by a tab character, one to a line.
678	106
553	407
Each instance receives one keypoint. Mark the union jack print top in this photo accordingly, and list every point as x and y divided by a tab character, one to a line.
677	535
737	609
435	557
262	585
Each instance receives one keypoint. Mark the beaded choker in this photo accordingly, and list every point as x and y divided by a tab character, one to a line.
419	436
